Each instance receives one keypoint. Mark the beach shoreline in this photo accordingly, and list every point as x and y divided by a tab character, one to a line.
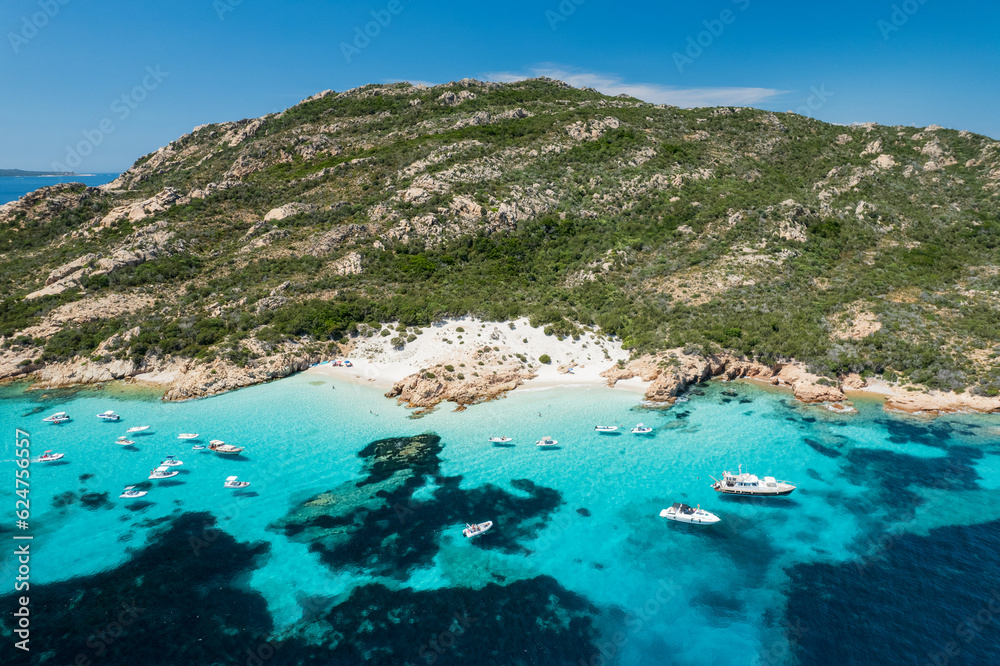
466	360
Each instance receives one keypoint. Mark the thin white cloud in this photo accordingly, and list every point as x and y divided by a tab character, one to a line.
649	92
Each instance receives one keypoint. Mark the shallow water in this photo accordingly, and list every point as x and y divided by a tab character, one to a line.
777	581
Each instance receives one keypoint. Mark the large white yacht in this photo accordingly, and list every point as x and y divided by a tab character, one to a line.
744	483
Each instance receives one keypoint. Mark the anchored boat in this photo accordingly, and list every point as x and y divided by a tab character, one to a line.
58	417
138	429
124	441
171	461
603	428
163	472
234	482
744	483
219	446
108	416
682	513
475	530
188	435
546	441
131	492
641	429
499	439
48	456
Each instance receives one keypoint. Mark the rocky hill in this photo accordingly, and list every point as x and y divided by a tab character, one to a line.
243	250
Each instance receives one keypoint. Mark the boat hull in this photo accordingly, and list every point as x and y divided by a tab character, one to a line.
691	521
755	493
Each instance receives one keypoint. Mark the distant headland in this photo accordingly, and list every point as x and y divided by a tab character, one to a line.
20	173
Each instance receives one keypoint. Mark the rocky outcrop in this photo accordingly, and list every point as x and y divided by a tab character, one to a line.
454	99
484	118
46	202
140	210
937	402
148	243
448	381
670	374
592	130
287	210
181	379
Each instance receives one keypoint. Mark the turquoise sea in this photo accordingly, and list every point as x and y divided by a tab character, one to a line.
12	189
347	547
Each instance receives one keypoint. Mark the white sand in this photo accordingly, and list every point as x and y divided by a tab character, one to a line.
376	360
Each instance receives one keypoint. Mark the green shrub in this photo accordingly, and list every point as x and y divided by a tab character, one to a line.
544	358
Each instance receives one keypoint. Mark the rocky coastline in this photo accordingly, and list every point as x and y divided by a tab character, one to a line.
467	376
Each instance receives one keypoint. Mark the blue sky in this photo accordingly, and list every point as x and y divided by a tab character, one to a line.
116	80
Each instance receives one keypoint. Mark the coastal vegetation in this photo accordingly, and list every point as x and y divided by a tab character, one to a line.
862	249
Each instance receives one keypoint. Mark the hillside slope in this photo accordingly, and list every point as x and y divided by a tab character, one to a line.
253	246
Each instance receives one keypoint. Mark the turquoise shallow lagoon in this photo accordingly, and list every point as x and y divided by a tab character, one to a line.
617	583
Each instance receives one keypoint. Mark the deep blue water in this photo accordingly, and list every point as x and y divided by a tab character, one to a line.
347	546
12	189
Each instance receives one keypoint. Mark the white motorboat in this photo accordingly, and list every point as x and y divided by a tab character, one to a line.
108	416
198	447
234	482
641	429
48	456
171	461
58	417
499	439
748	484
138	429
124	441
131	492
163	472
682	513
601	428
546	441
188	435
219	446
475	530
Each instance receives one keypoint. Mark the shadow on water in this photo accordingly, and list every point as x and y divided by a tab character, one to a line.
377	525
820	449
503	445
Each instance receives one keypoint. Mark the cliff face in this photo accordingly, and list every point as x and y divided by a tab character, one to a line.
770	236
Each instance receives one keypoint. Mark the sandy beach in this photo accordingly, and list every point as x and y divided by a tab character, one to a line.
573	362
